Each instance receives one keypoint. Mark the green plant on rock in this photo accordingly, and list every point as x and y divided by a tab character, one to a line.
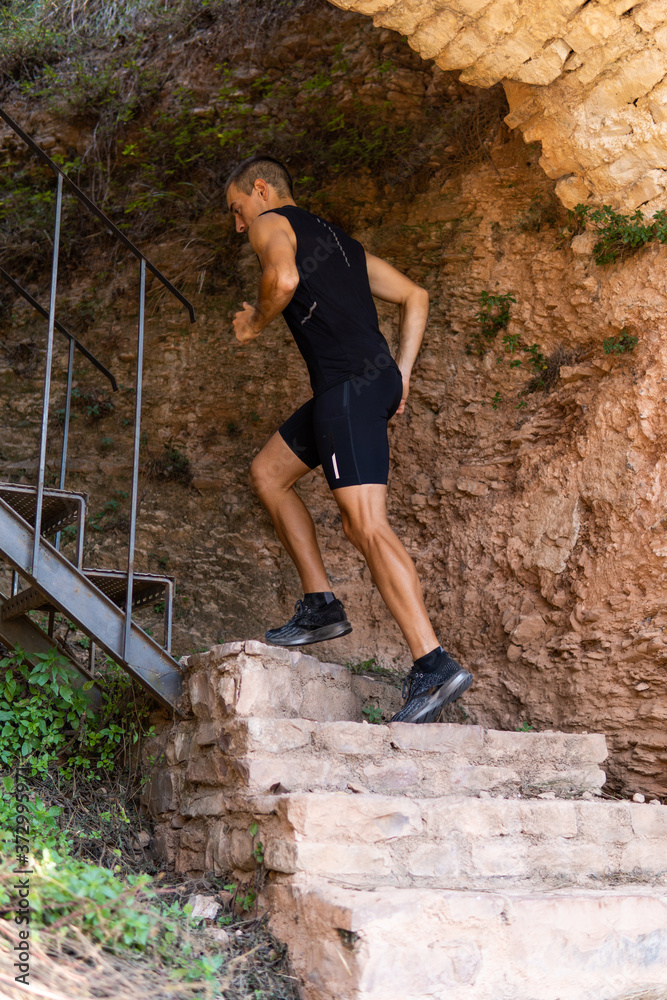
247	900
371	666
95	405
621	344
373	713
511	342
171	465
493	316
538	364
111	517
363	667
258	848
620	235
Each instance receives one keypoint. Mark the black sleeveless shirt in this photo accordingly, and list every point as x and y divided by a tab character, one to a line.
332	314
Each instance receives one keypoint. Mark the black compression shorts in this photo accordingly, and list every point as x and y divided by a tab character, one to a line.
344	429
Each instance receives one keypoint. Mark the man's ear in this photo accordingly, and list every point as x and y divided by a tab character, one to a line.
262	188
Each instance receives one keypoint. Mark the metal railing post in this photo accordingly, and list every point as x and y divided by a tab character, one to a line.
168	615
68	403
135	459
47	380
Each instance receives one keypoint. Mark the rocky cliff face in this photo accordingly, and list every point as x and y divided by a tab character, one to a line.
585	79
528	476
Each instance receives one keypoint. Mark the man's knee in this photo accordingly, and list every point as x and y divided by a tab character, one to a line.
259	475
349	529
362	532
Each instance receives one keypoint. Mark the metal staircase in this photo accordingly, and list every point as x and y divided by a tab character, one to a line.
32	517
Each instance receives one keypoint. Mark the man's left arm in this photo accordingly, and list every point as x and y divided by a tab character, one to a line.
389	284
279	280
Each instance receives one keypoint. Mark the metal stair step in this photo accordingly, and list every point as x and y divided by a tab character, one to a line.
60	508
112	582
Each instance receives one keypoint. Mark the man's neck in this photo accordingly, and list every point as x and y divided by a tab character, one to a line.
279	203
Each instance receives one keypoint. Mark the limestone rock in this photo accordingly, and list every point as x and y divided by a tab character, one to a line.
252	678
585	80
203	907
389	942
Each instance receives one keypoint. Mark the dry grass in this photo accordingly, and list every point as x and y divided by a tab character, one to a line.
65	964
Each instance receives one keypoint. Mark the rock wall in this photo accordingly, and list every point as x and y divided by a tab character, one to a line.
543	522
536	518
585	79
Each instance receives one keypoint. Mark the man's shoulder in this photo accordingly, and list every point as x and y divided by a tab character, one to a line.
267	227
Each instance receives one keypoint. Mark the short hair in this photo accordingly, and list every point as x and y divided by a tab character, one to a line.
264	168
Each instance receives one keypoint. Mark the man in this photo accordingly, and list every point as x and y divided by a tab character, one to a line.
324	282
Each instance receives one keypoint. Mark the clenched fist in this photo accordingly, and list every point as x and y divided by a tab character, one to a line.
245	323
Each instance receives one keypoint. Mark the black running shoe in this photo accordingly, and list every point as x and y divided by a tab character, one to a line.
428	693
306	625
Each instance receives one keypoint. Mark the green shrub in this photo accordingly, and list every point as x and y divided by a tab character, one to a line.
620	235
42	820
538	363
46	719
171	465
104	906
37	705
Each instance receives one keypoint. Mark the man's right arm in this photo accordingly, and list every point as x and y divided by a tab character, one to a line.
272	244
390	285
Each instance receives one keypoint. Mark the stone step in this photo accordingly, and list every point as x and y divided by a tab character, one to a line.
450	842
264	755
251	678
413	944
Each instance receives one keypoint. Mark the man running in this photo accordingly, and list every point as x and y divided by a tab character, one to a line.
323	282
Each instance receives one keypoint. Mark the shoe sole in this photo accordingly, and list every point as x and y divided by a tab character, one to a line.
317	635
427	708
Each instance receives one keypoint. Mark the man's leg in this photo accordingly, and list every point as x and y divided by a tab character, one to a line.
273	473
364	513
435	679
319	615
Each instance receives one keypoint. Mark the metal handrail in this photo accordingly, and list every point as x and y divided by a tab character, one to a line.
64	181
97	212
60	328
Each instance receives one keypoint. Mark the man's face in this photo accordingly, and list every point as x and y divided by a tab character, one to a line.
246	207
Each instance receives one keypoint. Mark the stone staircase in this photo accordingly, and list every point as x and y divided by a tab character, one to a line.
400	861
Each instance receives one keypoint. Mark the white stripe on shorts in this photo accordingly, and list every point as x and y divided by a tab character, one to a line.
335	465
